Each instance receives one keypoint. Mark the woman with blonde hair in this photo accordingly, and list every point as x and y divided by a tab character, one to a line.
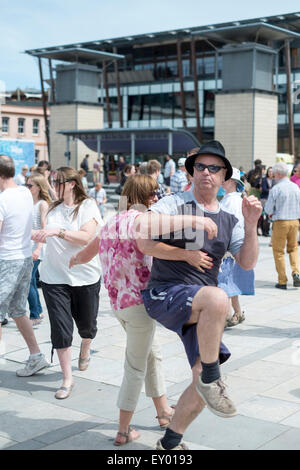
72	222
126	271
41	200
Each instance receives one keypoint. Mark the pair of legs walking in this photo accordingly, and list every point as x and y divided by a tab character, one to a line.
35	306
15	278
66	305
143	364
285	234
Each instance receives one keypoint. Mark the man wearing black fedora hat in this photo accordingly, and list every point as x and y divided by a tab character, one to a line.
187	300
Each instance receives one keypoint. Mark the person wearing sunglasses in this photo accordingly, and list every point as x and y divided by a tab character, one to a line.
126	270
41	201
72	221
187	300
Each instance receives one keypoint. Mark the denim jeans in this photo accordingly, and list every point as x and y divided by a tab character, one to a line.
101	209
33	296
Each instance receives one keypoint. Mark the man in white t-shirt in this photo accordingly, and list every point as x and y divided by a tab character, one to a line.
21	177
99	194
170	168
16	206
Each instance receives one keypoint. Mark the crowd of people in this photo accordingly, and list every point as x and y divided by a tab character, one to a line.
175	253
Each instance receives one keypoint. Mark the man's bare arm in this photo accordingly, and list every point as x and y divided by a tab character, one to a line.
151	224
196	258
248	254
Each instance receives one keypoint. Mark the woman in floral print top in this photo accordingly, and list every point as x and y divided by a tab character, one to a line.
126	271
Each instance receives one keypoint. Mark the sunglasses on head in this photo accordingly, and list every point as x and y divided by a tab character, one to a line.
211	168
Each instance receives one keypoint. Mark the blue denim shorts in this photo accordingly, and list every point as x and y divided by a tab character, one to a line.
171	305
15	276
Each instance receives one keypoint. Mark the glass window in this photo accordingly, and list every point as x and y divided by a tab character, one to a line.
160	71
172	68
200	65
295	57
186	67
209	65
190	108
35	126
209	104
5	125
134	108
36	156
114	113
21	125
282	99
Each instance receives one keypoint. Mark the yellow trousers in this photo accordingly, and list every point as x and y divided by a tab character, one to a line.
285	233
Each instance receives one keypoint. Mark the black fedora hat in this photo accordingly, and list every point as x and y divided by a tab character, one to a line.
213	147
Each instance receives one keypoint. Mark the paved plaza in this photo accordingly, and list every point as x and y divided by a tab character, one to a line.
263	376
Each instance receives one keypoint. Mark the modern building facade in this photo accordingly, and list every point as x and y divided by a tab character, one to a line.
175	79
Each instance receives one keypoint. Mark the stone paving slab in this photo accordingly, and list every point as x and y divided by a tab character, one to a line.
262	375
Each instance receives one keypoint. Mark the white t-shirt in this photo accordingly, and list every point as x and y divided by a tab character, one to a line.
16	208
99	196
55	265
170	168
20	179
232	203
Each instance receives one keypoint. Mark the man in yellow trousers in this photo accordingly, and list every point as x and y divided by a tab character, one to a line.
283	205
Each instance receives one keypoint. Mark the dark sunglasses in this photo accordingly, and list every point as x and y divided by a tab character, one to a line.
28	186
61	182
211	168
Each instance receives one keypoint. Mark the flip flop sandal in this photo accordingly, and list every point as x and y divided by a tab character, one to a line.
167	417
128	437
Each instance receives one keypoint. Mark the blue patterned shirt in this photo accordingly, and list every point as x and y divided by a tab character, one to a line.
283	202
178	182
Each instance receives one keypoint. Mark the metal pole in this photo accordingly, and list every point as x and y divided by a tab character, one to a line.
179	61
170	143
118	89
289	98
98	156
106	94
44	107
132	148
53	98
196	92
67	153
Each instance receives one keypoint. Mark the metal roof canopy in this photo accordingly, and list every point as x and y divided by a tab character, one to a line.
248	32
76	54
131	141
291	20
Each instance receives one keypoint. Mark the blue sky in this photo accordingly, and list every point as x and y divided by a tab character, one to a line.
40	23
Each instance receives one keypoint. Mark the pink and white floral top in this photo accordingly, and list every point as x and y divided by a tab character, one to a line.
126	270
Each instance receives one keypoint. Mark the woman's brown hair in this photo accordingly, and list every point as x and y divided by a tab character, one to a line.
66	174
138	189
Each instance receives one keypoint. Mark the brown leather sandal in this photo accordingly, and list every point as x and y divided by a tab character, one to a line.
166	417
128	437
